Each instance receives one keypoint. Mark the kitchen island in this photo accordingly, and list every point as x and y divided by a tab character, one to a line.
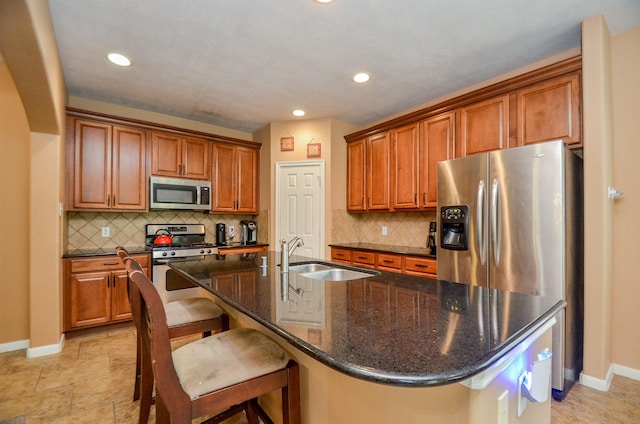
389	347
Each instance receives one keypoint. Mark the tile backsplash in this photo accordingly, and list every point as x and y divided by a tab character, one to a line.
403	228
128	228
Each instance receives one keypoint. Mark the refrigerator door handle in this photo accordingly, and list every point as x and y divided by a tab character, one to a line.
495	221
482	245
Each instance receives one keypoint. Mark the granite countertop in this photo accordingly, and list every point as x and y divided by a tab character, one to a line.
78	253
391	328
387	248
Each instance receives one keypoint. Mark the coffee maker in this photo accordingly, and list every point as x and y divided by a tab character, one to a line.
248	232
431	238
221	234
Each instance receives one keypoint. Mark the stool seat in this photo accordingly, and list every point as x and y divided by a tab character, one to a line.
225	359
185	311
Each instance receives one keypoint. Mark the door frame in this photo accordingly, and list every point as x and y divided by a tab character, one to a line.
280	166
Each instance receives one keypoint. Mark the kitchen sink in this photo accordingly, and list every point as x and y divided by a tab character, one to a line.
312	267
337	274
329	272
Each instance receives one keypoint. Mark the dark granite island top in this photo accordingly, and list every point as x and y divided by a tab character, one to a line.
390	328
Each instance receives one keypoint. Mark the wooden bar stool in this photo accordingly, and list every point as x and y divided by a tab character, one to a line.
225	372
184	317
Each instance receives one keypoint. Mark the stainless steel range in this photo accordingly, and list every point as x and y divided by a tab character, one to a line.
187	243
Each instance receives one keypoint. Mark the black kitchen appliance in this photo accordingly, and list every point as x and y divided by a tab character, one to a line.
431	238
248	232
221	234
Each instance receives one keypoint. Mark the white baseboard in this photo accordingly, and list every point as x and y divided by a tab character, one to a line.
46	350
626	372
10	347
604	384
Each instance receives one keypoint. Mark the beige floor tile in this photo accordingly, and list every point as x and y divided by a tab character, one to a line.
67	372
102	414
43	406
113	386
19	383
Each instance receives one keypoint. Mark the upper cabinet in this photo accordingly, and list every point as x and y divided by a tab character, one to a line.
368	166
484	126
549	111
106	166
405	156
437	137
393	165
174	155
235	179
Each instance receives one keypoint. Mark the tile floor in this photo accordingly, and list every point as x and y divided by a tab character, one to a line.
91	382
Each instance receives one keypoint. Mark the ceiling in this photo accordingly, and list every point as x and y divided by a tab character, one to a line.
241	64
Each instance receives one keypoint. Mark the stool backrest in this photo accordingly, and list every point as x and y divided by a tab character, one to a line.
152	327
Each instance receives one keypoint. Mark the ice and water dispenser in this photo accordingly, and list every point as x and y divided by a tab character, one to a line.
454	223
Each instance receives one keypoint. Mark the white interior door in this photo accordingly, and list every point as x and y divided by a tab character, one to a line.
300	205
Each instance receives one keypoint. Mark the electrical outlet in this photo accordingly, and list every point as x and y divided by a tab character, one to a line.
232	231
106	232
384	230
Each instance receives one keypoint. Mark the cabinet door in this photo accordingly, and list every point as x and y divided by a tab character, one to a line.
195	158
90	299
92	165
378	166
550	111
247	169
166	154
224	178
129	188
404	167
356	175
484	126
437	137
120	306
247	285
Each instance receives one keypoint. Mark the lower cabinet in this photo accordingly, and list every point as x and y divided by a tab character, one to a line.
241	249
240	286
392	262
95	290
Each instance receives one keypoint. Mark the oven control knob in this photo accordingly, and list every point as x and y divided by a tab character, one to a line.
164	253
173	253
202	251
209	251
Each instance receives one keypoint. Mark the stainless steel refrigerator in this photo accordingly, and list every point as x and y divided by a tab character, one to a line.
513	220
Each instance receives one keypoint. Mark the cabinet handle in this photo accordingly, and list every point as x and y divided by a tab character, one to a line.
387	261
109	200
424	198
111	263
114	200
422	266
108	281
415	198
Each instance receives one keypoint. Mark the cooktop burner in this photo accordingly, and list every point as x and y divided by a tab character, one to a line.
187	239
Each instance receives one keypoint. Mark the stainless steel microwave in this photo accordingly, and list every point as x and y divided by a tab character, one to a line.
179	193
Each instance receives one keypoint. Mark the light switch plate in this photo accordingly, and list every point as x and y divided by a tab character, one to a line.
106	231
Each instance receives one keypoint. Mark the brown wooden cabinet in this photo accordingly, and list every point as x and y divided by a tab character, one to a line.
437	138
377	172
549	111
389	262
235	179
484	126
420	266
341	255
95	290
241	249
356	175
106	166
239	286
368	173
405	156
176	155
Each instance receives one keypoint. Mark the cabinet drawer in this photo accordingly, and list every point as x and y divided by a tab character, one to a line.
340	255
366	259
104	263
415	265
239	250
389	262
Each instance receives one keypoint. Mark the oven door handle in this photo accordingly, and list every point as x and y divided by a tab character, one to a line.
187	259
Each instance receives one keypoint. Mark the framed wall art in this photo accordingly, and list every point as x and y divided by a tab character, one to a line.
313	150
286	144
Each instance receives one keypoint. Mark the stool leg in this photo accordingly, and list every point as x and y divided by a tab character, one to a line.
136	387
291	413
146	387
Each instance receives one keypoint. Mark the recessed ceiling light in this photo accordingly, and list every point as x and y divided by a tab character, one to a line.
361	77
298	112
119	59
323	1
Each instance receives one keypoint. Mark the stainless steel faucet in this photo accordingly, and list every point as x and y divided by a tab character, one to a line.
287	250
